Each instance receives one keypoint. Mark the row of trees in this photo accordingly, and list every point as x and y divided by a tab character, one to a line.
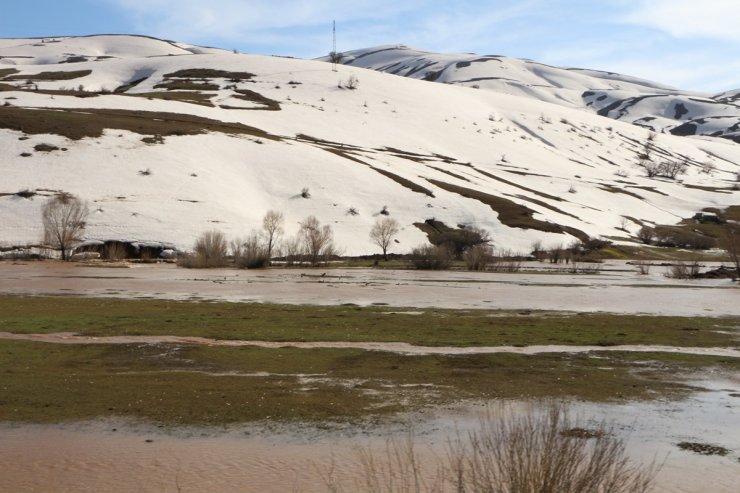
312	244
64	218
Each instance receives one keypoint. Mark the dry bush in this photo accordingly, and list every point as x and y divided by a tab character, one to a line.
250	252
684	270
430	257
643	267
646	234
292	250
506	261
536	452
478	257
209	251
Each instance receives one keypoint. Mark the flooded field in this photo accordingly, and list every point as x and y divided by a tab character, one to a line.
617	288
121	455
116	457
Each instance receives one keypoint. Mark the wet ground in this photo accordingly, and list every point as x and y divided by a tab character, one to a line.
617	288
114	456
110	456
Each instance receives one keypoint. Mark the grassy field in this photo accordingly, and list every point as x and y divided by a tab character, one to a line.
193	384
430	327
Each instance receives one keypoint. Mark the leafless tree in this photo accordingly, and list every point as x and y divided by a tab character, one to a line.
731	243
318	241
64	218
383	232
272	224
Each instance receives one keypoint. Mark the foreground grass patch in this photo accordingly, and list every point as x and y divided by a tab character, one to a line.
430	327
180	385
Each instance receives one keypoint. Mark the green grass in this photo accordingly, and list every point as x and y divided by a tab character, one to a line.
104	317
181	385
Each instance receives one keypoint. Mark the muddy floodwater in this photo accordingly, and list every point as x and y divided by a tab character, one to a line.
617	288
115	456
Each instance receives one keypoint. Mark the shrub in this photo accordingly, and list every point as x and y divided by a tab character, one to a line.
458	241
351	83
250	252
209	251
430	257
531	452
478	257
506	261
305	193
684	270
646	234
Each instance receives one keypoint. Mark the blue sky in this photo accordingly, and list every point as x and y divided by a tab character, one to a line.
685	43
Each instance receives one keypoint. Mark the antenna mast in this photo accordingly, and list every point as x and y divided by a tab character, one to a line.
334	46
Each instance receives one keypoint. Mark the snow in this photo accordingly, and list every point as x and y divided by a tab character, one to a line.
536	150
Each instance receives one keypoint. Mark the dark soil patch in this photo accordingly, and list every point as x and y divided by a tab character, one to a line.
582	433
181	96
703	448
4	72
187	85
45	148
126	87
78	123
199	73
75	74
510	213
247	95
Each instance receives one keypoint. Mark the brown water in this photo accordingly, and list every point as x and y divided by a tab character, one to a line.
618	288
92	457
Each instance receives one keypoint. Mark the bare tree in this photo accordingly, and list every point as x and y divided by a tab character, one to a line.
318	241
731	243
272	224
64	218
383	232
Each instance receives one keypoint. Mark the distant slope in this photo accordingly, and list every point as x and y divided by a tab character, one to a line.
165	141
621	97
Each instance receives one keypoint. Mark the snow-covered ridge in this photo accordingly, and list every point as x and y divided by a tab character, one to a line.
166	140
648	104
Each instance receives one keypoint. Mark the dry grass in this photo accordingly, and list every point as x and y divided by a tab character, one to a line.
509	213
187	85
60	75
200	73
247	95
534	452
78	123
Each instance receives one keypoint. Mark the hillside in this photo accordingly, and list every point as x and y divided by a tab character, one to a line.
644	103
167	140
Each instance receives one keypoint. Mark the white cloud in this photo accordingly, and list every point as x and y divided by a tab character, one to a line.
717	19
249	21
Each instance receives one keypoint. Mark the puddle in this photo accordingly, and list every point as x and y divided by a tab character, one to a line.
393	347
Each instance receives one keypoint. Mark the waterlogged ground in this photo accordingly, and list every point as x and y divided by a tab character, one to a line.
120	457
125	344
617	288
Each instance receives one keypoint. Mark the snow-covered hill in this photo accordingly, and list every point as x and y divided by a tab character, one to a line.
166	140
621	97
